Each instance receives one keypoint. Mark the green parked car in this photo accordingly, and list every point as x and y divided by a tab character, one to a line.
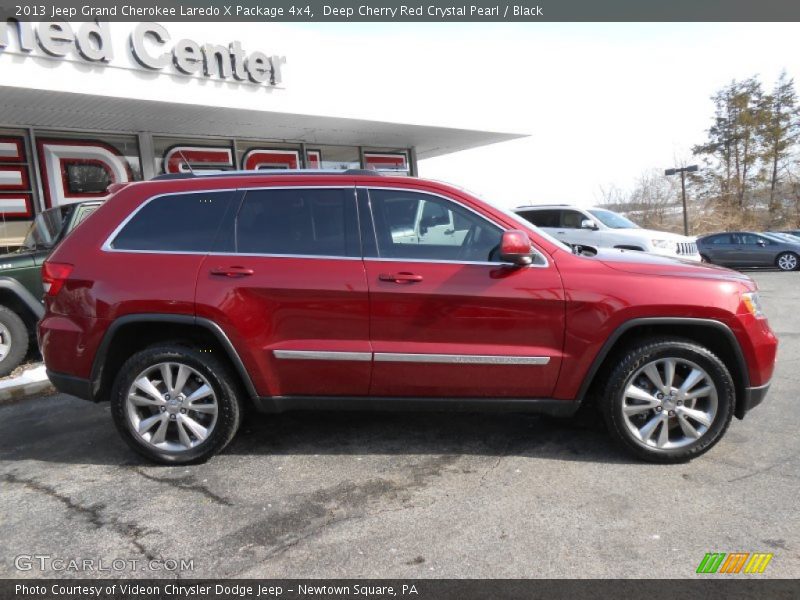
21	282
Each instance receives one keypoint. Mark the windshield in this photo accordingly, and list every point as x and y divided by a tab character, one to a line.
780	237
45	229
612	219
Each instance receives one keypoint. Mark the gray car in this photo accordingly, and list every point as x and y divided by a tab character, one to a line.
748	249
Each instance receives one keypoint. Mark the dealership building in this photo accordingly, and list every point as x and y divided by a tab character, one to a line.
83	105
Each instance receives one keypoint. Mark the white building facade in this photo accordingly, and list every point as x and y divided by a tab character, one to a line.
84	105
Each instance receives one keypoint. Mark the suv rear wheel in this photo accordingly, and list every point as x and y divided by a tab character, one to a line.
175	405
14	340
669	400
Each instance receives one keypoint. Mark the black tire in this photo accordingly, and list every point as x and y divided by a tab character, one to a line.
705	259
787	261
219	377
638	356
19	342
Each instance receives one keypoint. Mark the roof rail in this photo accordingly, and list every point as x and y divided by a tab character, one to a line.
268	172
540	205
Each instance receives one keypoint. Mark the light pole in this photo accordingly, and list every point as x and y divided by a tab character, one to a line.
683	171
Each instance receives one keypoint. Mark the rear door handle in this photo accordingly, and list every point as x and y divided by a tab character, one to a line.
232	271
400	277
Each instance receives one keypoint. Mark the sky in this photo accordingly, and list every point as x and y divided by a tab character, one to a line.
601	103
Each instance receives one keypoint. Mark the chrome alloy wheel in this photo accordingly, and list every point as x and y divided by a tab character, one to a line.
5	341
787	262
172	407
669	403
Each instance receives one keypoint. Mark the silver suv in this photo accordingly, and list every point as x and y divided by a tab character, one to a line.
602	228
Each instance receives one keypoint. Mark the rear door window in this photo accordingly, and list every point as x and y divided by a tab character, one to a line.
299	222
176	223
719	240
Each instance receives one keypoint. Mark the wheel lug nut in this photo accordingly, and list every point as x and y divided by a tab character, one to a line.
163	408
658	409
172	417
183	411
672	413
166	396
680	402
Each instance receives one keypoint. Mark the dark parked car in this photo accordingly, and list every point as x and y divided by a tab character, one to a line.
181	300
21	282
748	249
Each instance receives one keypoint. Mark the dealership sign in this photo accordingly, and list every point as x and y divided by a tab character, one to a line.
151	47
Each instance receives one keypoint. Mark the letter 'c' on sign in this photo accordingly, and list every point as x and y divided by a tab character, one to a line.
138	46
211	158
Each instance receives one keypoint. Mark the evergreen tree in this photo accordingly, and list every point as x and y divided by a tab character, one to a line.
731	151
779	133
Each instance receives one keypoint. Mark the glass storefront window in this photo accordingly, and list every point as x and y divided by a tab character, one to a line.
177	155
339	158
80	166
387	160
16	181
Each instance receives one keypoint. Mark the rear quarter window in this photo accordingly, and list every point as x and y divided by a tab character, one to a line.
175	223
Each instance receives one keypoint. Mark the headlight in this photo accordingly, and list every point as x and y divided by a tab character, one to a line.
753	303
664	244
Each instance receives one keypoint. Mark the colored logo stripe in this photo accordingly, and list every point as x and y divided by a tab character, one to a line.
757	563
734	562
711	562
714	562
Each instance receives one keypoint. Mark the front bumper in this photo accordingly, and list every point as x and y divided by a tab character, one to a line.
753	396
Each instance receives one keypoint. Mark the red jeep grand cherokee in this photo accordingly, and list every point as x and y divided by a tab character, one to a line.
183	298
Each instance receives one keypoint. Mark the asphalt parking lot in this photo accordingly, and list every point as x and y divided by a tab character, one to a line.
407	495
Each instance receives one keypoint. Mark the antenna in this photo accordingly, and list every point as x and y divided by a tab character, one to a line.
188	164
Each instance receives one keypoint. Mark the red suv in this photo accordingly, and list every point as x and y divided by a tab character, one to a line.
184	298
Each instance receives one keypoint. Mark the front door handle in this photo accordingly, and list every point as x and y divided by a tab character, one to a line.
234	271
403	277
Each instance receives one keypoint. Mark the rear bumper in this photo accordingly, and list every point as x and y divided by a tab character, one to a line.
753	396
68	384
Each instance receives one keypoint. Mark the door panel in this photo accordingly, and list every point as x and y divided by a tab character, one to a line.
302	318
460	312
753	253
447	322
723	249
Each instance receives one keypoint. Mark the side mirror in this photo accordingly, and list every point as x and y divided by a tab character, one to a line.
515	248
588	224
762	243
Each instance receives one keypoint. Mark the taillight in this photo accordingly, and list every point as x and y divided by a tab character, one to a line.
53	276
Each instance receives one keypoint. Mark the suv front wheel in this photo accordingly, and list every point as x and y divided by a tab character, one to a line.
175	405
669	400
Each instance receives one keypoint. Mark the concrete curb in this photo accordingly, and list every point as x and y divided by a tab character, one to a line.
30	382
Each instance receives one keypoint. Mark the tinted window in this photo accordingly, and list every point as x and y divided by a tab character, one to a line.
176	223
543	218
440	229
720	239
753	240
306	222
